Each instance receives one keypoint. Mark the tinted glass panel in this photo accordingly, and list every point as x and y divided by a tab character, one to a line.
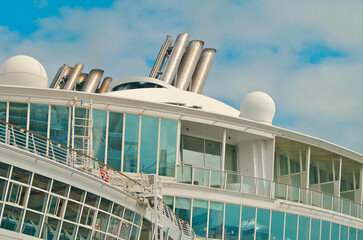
105	205
99	134
76	194
18	114
11	218
343	232
277	225
39	119
182	208
315	229
37	200
32	224
131	143
291	226
335	229
232	221
21	175
215	220
149	144
212	154
59	124
92	199
68	231
40	181
304	225
248	222
50	228
59	188
263	224
193	150
72	211
3	106
352	234
4	169
114	140
167	153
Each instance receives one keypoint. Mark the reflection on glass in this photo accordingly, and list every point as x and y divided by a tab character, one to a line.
131	143
114	140
217	179
31	224
232	221
185	174
149	144
335	228
182	208
200	217
277	225
167	154
263	224
3	111
99	134
11	218
50	228
291	226
193	151
212	154
101	221
68	231
304	228
38	122
215	220
315	229
248	222
201	177
59	124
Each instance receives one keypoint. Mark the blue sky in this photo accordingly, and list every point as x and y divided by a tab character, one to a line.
308	55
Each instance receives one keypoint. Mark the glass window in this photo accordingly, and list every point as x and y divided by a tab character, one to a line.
231	158
4	170
3	106
313	172
134	233
169	200
68	231
115	140
360	234
92	199
40	181
31	224
129	215
18	113
326	170
352	233
55	205
16	193
11	218
84	233
50	228
114	226
294	156
315	229
304	228
101	221
263	224
146	230
21	175
99	134
59	124
277	225
118	210
248	222
38	122
59	188
3	184
73	210
335	231
215	220
182	208
131	143
212	154
137	219
343	232
200	217
76	194
193	150
37	200
291	226
231	225
125	230
167	155
105	205
325	230
283	164
87	216
149	144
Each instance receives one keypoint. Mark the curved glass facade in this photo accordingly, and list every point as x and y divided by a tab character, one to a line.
218	220
45	208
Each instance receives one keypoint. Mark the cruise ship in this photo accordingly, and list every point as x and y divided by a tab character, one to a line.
89	157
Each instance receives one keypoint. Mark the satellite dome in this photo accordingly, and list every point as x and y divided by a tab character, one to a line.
23	70
258	106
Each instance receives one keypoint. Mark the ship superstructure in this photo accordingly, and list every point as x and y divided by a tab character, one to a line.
153	158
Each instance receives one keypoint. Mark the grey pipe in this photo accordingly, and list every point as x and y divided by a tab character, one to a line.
73	77
105	84
202	69
176	55
92	81
188	63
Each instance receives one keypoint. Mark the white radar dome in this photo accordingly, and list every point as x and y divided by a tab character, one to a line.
258	106
23	70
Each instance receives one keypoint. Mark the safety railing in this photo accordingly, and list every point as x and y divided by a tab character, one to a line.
266	188
55	151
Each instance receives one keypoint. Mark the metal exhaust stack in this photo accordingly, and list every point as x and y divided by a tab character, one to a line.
202	69
160	59
72	80
61	77
188	64
80	81
105	84
176	55
92	81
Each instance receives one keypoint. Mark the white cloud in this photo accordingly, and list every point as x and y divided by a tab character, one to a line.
266	36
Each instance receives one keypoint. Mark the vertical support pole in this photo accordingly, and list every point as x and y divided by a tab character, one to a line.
123	142
223	157
139	146
340	175
308	157
27	125
158	148
177	148
48	129
106	137
361	184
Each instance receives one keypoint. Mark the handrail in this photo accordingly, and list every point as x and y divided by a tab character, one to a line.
11	134
266	188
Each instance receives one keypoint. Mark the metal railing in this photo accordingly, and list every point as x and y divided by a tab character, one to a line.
266	188
55	151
